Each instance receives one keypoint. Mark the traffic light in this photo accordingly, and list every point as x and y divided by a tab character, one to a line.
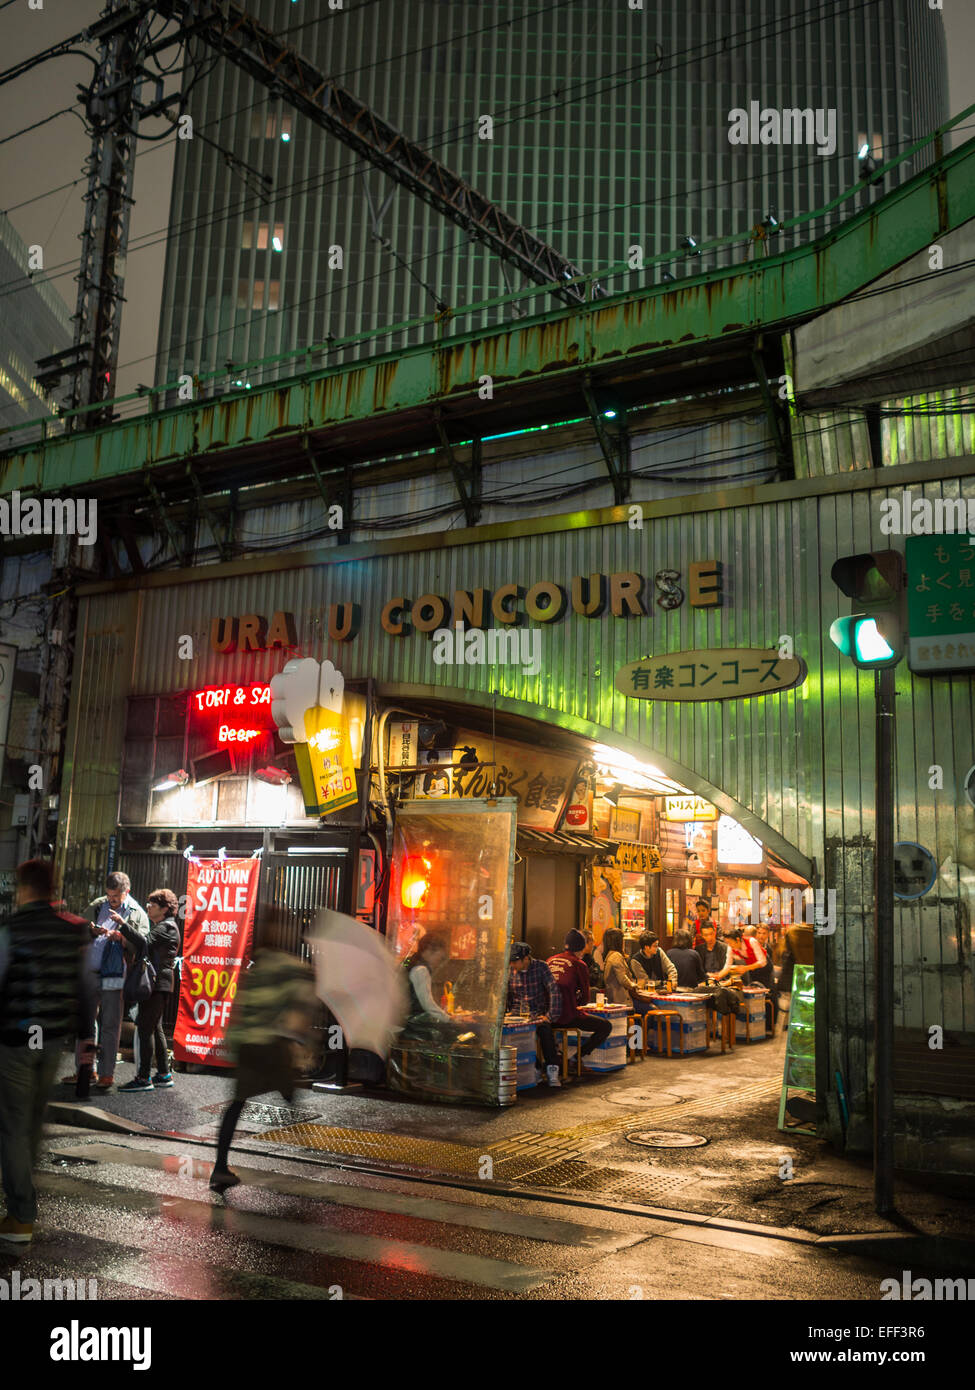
875	635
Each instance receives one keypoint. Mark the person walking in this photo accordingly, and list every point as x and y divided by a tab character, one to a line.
159	952
275	1009
45	998
107	961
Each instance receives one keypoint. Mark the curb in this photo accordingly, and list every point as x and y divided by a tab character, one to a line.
81	1115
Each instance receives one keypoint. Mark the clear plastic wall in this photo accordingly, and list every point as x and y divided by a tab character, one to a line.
451	883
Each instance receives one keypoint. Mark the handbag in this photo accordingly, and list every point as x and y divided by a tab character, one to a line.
139	982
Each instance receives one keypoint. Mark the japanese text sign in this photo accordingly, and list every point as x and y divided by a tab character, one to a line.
220	900
726	673
940	602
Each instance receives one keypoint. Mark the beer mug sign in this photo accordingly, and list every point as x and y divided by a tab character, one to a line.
306	704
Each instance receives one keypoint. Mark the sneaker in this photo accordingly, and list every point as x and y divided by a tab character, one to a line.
104	1083
552	1076
539	1075
16	1232
222	1178
162	1080
138	1085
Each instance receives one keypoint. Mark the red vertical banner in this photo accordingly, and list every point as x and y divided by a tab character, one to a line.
220	902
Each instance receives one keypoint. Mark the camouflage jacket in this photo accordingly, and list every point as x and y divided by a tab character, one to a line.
276	999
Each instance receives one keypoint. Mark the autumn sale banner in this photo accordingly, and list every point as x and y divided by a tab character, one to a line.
220	901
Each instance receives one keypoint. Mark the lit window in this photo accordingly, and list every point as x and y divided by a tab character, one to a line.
274	294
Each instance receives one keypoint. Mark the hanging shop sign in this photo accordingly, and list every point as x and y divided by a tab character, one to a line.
726	673
638	859
307	707
624	824
540	781
220	900
689	808
578	813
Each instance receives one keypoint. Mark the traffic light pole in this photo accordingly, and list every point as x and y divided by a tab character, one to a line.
883	1055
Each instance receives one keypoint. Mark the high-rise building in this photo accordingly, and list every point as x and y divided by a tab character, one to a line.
598	126
35	322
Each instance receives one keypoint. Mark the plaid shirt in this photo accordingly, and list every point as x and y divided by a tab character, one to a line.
533	988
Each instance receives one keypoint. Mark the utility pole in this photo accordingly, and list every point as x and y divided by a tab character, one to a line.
112	112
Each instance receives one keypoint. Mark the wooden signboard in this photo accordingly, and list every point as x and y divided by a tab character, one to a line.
726	673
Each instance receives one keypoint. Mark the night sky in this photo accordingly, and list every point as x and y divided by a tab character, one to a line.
52	156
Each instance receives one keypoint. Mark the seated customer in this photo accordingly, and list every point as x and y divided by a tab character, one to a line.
426	1019
572	981
715	955
532	993
589	956
650	962
687	962
619	984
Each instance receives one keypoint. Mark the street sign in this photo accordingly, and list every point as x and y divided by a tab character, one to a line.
724	673
941	603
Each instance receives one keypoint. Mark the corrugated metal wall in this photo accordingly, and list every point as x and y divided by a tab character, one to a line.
801	762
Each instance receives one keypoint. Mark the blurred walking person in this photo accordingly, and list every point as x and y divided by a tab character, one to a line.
153	983
45	998
274	1011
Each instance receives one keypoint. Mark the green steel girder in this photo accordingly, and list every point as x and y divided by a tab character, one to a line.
632	332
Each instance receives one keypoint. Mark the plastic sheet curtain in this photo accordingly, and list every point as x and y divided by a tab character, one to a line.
451	883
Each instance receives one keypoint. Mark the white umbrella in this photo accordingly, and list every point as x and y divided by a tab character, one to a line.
359	980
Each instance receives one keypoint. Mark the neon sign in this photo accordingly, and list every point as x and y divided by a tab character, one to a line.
227	734
232	697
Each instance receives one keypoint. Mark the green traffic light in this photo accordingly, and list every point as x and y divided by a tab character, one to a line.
860	639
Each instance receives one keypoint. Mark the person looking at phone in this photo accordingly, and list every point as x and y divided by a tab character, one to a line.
107	962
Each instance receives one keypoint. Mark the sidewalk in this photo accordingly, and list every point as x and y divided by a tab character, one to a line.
575	1141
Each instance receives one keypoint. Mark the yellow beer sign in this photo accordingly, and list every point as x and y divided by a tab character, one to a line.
725	673
307	706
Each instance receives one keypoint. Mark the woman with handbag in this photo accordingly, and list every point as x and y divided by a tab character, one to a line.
151	982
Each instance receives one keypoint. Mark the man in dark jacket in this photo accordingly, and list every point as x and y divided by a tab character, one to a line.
572	980
45	998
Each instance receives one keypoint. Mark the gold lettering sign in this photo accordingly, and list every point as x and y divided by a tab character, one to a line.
638	859
689	808
727	673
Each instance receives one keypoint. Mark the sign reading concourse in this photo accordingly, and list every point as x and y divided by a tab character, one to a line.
725	673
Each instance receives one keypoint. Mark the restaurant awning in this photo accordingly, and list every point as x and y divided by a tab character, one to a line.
784	875
561	842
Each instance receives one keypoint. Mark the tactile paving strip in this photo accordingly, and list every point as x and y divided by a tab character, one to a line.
528	1159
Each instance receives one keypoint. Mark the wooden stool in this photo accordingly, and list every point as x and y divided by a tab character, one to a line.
565	1049
728	1024
661	1017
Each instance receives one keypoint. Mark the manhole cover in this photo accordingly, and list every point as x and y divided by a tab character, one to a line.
662	1139
644	1098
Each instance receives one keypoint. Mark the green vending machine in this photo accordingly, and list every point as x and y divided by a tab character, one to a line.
799	1072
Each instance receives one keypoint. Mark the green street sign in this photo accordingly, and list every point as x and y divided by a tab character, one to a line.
940	603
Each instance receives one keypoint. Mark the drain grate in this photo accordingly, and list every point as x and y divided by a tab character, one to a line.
665	1139
257	1113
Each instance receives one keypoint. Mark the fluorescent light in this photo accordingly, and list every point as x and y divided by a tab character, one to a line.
285	136
277	243
863	151
172	779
